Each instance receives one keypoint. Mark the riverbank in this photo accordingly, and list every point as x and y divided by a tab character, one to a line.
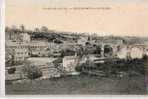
81	84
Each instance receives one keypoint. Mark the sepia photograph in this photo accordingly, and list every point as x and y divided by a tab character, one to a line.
76	47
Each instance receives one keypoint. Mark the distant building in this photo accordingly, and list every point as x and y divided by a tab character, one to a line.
136	52
82	41
122	52
22	50
53	47
18	44
17	36
131	51
39	48
19	50
110	41
13	36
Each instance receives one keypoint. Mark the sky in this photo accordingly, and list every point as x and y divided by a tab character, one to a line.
124	18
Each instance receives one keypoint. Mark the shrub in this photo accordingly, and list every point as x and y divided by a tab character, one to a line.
12	70
32	72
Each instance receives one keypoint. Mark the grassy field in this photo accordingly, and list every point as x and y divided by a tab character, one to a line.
81	84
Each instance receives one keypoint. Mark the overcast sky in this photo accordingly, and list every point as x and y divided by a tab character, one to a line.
125	17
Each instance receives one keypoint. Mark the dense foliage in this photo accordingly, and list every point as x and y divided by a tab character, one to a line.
32	72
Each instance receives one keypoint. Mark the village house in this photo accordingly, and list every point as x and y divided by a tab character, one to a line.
25	37
23	50
13	36
39	48
18	50
21	46
70	63
53	47
131	51
122	52
82	41
136	52
17	36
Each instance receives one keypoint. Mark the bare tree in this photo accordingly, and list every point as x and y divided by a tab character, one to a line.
22	27
37	30
7	29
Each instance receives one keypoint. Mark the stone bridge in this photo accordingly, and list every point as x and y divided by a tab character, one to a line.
122	50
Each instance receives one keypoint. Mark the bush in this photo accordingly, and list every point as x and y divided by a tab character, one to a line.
11	70
32	72
145	57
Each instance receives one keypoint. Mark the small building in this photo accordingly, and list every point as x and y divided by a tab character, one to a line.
70	63
130	51
53	47
136	52
82	41
25	37
122	52
17	36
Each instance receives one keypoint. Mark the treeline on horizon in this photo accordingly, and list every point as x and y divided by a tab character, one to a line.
44	33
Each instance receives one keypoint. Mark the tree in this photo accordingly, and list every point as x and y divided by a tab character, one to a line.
9	56
12	70
44	29
31	71
7	29
22	27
